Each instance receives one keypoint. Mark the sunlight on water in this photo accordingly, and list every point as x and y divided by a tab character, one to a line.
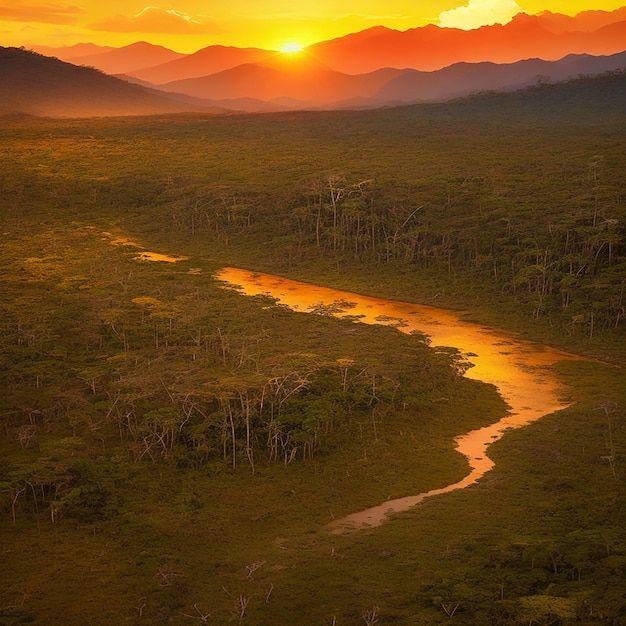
144	256
519	369
155	256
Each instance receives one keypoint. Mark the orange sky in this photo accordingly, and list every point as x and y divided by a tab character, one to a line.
188	25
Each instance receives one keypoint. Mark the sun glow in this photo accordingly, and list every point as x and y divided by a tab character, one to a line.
291	48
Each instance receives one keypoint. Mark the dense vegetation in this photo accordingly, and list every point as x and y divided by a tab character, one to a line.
171	451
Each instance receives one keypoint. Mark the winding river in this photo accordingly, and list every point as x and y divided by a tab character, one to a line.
519	369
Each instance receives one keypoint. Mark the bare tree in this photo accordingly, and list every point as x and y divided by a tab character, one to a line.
253	567
450	608
203	617
370	616
609	408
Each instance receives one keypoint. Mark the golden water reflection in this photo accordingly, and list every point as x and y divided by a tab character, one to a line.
143	255
519	369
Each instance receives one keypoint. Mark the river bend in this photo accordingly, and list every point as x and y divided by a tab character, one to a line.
519	369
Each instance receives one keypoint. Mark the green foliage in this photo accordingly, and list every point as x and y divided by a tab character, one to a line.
171	451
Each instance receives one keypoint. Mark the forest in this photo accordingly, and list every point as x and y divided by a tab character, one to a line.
172	451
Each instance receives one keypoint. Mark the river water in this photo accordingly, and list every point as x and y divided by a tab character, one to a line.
519	369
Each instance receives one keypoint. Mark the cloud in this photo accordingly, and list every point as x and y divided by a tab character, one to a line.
157	20
477	13
45	14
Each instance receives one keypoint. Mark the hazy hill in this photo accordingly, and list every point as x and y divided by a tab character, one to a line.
301	81
431	48
299	78
463	79
125	60
38	85
210	60
67	53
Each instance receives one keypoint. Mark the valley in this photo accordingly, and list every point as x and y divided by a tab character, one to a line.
174	452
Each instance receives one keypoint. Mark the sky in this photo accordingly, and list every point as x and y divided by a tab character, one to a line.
189	25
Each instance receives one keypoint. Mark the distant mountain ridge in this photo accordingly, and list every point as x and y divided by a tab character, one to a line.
301	79
546	35
431	48
462	79
128	59
206	61
67	53
304	82
38	85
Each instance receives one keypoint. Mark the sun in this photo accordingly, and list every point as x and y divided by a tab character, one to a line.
292	47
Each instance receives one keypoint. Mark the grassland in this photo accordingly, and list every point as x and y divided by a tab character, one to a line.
140	484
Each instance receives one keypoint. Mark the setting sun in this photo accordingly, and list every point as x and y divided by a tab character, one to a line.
292	47
185	26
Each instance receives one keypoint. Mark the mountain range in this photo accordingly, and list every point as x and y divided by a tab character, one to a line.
304	82
372	68
549	36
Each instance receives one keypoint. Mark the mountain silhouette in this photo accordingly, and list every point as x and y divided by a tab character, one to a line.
209	60
38	85
431	47
462	79
67	53
130	58
298	78
302	81
545	35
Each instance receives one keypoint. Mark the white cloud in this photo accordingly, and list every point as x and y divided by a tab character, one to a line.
152	12
477	13
156	20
